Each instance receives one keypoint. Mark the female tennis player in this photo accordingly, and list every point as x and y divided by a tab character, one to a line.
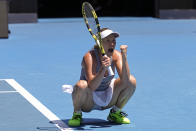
96	90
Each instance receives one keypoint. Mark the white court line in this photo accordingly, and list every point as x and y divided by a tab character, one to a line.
5	92
38	105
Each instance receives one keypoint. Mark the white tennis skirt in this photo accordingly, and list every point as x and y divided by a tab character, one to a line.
103	98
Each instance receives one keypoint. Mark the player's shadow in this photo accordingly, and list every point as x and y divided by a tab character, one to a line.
89	124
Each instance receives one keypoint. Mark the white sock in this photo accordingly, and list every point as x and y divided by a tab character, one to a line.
78	112
115	108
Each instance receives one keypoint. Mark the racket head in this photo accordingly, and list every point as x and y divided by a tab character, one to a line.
92	23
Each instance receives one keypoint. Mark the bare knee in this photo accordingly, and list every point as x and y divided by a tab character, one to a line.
82	84
131	83
79	87
132	80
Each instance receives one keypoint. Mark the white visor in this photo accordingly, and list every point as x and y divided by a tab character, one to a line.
108	32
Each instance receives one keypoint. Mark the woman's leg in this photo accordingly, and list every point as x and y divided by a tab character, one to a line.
122	92
82	97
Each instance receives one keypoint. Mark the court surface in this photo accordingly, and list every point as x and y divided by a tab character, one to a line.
39	58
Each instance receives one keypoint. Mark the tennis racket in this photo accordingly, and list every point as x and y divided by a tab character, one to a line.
92	23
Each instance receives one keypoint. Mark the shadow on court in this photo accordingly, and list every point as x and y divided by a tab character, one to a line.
47	129
90	124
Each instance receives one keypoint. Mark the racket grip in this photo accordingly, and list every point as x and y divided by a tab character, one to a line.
110	71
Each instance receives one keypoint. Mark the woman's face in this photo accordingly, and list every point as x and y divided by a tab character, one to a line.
109	44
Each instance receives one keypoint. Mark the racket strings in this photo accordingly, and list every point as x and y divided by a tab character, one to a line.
92	25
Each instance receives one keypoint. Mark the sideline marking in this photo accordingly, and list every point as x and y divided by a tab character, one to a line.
38	105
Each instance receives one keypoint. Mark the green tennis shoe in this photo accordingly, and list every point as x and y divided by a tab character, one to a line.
76	119
118	117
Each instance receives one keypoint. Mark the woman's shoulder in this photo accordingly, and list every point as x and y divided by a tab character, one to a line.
89	55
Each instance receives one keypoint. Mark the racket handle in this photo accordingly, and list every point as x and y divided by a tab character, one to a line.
110	71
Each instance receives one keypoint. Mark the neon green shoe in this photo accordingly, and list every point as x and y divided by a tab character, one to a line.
76	119
118	117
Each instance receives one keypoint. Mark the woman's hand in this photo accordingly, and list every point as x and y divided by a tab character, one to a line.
105	61
123	49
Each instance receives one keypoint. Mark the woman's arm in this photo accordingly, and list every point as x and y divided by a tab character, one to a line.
122	64
94	79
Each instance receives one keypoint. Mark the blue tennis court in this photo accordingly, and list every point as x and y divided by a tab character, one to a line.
41	57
